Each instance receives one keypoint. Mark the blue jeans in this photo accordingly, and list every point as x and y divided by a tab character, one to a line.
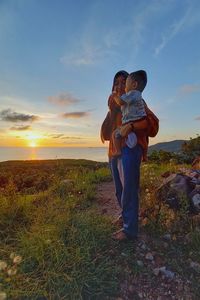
116	178
131	160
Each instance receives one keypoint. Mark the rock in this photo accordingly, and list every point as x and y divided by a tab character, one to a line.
195	266
167	237
140	295
131	288
174	189
165	245
195	199
143	246
156	271
149	256
167	273
140	263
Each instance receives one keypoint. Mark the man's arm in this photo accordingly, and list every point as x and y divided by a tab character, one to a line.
140	125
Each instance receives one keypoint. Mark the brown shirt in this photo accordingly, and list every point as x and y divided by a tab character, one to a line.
140	128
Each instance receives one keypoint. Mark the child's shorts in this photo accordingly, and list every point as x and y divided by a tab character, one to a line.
131	140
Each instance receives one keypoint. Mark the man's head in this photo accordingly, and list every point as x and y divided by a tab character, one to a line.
136	81
119	82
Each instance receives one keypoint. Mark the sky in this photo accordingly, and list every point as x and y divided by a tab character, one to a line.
58	60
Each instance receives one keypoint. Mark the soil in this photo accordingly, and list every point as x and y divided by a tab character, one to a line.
149	282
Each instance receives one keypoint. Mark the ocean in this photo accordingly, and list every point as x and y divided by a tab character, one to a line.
25	153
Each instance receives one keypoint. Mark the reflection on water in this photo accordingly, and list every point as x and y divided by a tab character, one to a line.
11	153
33	154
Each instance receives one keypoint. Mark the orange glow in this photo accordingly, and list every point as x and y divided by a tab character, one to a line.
33	144
33	139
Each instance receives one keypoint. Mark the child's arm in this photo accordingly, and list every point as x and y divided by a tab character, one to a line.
118	100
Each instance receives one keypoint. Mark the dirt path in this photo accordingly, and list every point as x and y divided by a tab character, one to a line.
156	278
107	200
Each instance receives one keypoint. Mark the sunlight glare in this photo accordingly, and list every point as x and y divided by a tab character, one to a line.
33	140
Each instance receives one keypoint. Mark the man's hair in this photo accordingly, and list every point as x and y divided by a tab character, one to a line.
118	74
141	77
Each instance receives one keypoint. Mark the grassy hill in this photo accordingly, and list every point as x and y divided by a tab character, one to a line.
172	146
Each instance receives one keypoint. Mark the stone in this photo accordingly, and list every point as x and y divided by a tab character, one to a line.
156	271
195	266
149	256
140	263
167	237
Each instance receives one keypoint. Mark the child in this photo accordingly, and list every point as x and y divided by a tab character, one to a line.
132	107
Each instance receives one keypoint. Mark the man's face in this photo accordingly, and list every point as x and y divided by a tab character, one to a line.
119	87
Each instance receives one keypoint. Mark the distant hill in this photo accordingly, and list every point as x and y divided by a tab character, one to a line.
172	146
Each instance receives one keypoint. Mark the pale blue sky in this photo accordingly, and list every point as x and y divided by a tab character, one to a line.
58	59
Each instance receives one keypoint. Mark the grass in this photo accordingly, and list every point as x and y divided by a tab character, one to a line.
58	233
65	243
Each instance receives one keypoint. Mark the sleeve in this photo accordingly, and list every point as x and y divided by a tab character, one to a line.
131	97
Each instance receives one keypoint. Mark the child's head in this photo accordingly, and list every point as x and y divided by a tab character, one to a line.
136	81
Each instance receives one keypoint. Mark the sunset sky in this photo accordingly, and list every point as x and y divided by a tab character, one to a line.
58	59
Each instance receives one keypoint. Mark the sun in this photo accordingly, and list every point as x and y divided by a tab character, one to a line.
33	140
32	144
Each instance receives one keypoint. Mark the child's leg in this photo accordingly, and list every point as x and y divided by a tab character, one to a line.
116	139
125	129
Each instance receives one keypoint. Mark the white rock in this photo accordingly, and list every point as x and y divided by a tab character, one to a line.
149	256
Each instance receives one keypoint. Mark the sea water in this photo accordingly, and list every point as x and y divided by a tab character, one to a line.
25	153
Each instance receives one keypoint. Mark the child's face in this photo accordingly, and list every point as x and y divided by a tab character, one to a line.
131	84
119	87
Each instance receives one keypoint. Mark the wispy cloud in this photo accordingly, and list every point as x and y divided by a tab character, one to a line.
12	116
21	128
63	99
190	18
197	118
87	55
56	136
72	137
63	136
190	88
76	115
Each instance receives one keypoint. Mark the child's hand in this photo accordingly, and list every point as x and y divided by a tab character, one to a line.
116	91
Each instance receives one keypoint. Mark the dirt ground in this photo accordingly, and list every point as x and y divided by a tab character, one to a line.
156	279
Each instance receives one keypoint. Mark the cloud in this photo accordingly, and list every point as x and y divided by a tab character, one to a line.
21	127
190	19
88	55
72	137
56	136
10	116
75	115
171	33
63	137
190	88
63	99
197	118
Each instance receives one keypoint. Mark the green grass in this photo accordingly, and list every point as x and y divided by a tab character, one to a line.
66	246
60	235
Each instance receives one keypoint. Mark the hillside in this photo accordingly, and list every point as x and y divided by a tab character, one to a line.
172	146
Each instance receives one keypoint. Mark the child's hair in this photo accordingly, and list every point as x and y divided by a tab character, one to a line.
141	77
